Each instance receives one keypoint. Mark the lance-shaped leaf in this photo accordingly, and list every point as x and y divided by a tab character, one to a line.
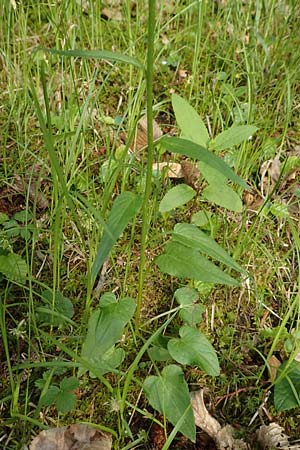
95	54
184	262
189	122
190	236
169	395
192	150
235	135
124	208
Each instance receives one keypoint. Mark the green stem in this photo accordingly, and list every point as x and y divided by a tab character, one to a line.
145	212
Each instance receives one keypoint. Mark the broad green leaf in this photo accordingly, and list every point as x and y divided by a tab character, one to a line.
211	175
59	308
69	384
194	349
108	362
176	196
159	353
186	296
224	196
13	267
50	396
201	218
192	313
183	262
169	395
287	388
235	135
95	54
192	150
65	401
105	328
124	208
189	122
190	236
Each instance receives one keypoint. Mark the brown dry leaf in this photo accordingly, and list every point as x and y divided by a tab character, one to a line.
274	363
191	173
171	169
35	196
273	436
141	140
270	172
223	437
112	14
72	437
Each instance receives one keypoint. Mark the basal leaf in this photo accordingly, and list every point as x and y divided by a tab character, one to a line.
183	262
95	54
124	208
224	196
235	135
13	267
186	295
190	236
169	395
194	349
211	175
287	388
105	328
189	122
176	196
192	150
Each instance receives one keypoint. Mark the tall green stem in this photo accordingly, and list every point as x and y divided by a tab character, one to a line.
145	212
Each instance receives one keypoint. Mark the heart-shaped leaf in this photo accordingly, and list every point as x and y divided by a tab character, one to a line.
194	349
169	395
287	388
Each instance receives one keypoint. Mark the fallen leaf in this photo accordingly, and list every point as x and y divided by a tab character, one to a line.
141	139
171	169
274	363
270	172
72	437
112	14
273	436
223	436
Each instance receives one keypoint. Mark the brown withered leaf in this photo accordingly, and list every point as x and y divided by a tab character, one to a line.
273	436
270	172
141	140
112	14
273	363
171	169
72	437
223	436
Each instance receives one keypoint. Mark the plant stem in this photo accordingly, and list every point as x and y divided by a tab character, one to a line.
145	212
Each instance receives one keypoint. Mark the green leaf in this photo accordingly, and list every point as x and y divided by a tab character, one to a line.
192	312
211	175
192	150
124	208
224	196
65	401
194	349
60	307
50	396
158	353
95	54
190	236
235	135
105	328
13	267
169	395
176	196
69	384
190	123
287	386
183	262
